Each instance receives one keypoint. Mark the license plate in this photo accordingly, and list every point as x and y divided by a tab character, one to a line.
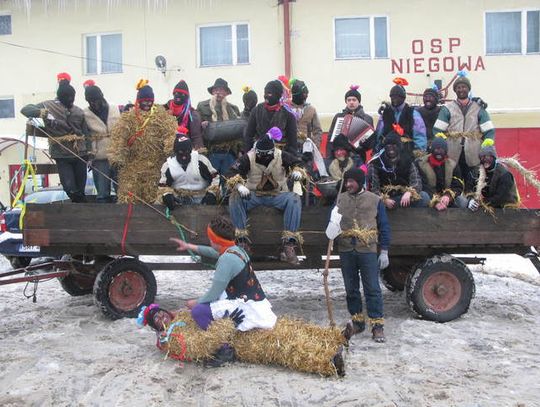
29	249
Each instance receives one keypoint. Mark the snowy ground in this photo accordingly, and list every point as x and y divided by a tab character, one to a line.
60	351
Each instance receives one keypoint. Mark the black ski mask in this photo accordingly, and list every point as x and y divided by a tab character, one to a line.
182	149
299	92
272	92
66	94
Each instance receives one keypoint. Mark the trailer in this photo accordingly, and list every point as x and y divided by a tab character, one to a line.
100	245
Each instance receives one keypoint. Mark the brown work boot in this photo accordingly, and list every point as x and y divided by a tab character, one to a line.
378	333
288	253
352	328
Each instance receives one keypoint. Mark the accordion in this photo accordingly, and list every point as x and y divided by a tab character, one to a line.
356	129
223	131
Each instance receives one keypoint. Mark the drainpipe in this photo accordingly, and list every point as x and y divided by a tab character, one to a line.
287	36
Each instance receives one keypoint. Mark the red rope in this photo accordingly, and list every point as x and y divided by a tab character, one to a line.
126	223
183	348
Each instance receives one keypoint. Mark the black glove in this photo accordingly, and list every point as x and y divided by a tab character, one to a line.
209	199
237	316
307	156
169	201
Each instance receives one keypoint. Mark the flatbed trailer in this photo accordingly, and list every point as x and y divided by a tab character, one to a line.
101	245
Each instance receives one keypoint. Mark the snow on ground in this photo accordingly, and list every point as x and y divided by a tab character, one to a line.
61	351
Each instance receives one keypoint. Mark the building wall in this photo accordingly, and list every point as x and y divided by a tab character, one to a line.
457	27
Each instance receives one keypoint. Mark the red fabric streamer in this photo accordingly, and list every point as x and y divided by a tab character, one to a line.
398	129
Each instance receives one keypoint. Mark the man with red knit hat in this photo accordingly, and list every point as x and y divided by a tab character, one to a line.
186	116
69	138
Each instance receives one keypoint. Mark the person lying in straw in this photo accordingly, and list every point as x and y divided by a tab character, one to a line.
234	319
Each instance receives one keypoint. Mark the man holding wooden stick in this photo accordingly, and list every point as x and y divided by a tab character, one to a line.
359	220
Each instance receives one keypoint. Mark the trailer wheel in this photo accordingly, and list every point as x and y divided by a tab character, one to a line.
19	262
440	289
123	286
394	277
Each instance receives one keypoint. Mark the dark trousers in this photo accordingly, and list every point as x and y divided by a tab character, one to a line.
365	265
101	169
72	172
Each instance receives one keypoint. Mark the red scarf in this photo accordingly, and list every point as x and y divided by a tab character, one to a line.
180	111
223	243
434	162
273	108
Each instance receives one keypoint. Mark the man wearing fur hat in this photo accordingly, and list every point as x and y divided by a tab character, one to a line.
394	176
187	177
413	139
353	106
259	178
441	178
491	182
271	113
100	118
217	109
430	110
69	137
308	123
360	224
140	142
186	116
466	124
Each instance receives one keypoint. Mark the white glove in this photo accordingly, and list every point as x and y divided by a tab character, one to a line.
333	229
296	176
50	117
384	262
243	191
473	205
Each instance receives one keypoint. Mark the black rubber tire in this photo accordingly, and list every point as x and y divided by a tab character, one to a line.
394	277
432	266
19	262
76	287
106	277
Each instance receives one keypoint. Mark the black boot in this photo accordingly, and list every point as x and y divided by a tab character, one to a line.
223	355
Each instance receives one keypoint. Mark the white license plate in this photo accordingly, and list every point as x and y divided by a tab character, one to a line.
29	249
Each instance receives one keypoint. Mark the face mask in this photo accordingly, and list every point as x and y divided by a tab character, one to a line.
271	99
299	99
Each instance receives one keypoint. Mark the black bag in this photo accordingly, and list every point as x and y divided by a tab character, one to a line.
219	132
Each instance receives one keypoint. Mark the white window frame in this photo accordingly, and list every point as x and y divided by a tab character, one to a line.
7	13
523	12
371	37
98	53
233	40
9	97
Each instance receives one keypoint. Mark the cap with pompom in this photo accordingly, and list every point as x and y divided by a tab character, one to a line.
92	91
488	148
353	92
462	79
145	92
399	88
63	76
439	141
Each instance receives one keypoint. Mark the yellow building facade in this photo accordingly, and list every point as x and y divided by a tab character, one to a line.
332	45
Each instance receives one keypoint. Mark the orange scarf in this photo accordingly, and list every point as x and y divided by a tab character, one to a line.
223	243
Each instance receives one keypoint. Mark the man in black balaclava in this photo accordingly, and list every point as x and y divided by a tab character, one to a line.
66	128
306	115
187	177
270	114
100	118
250	101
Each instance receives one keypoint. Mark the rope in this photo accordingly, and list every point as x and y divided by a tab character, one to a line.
28	169
126	225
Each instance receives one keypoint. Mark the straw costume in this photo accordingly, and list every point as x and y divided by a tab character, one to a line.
140	142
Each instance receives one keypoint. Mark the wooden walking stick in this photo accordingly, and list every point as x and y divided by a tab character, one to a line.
325	282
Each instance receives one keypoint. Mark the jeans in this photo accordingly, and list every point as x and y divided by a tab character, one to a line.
221	161
354	263
72	172
288	202
423	202
103	185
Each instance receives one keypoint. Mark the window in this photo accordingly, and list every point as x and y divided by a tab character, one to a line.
361	37
7	108
5	25
224	45
103	53
512	32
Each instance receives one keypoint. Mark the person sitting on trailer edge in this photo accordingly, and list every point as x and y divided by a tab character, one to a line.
360	224
490	183
394	176
259	178
187	177
441	177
